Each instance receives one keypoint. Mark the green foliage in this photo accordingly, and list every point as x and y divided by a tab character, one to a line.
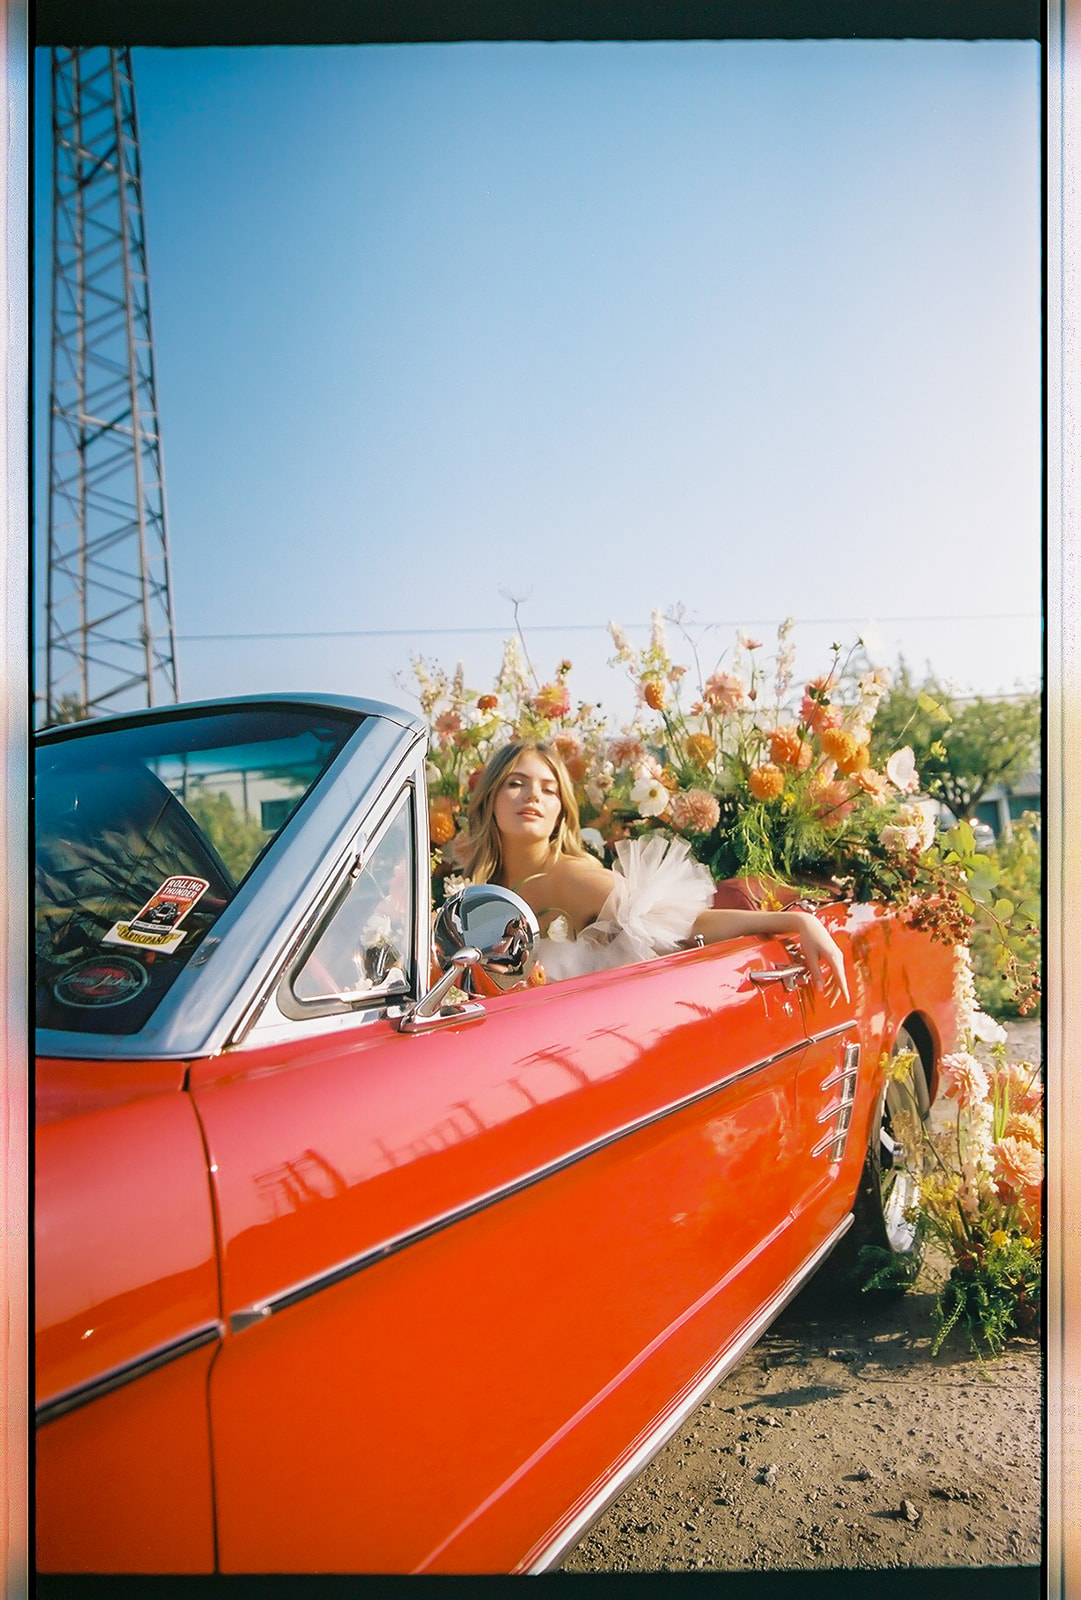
69	708
992	1292
883	1273
1016	862
962	747
236	837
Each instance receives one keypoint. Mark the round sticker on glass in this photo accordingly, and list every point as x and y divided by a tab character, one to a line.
105	981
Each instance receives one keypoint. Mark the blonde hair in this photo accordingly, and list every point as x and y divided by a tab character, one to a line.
480	852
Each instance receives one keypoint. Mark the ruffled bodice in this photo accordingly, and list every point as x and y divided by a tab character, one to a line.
658	893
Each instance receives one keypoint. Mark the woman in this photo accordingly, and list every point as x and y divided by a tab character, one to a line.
523	833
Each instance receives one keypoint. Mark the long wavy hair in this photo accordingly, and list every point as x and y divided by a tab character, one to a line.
480	853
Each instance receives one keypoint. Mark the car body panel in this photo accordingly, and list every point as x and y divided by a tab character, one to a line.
384	1178
127	1312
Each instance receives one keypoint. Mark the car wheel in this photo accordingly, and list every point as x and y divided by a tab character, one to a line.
882	1250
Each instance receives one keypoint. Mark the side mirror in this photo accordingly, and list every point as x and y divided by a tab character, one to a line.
494	921
482	926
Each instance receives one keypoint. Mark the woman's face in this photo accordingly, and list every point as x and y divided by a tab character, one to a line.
527	805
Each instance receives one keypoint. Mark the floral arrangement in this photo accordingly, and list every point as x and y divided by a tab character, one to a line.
768	780
979	1199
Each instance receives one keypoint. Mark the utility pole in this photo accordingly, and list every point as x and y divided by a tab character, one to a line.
111	640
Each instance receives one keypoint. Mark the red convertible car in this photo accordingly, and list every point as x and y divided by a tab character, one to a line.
333	1274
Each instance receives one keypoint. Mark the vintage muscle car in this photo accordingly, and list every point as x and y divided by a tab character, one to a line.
333	1274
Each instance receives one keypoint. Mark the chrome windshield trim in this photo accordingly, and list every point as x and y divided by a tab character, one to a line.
204	1006
236	702
82	1394
542	1558
258	1311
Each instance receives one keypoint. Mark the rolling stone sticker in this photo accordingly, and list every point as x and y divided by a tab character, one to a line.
105	981
157	925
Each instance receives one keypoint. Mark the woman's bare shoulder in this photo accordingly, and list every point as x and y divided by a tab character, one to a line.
581	885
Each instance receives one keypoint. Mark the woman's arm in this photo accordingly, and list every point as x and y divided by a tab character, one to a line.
815	941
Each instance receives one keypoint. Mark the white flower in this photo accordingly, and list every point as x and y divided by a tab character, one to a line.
620	640
593	840
559	929
512	672
453	882
901	770
432	774
650	797
658	637
911	829
986	1029
376	930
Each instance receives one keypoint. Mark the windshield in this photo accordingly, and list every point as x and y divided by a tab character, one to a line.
144	835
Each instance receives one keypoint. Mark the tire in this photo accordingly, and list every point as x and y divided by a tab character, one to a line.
888	1193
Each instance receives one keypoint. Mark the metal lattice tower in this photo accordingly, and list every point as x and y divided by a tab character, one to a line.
111	642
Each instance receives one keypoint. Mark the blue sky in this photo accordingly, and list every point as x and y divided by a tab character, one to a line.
753	327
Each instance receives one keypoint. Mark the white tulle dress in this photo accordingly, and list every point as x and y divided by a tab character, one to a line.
654	903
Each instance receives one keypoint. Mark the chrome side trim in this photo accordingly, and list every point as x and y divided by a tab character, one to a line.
84	1393
583	1520
247	1316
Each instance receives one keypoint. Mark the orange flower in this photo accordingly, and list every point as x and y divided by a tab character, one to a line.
551	700
487	702
766	782
701	748
1018	1163
537	976
653	693
787	749
845	749
440	824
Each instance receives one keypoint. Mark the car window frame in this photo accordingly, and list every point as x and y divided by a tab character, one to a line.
291	1007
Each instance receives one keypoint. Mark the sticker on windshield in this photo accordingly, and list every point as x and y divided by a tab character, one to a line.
156	926
105	981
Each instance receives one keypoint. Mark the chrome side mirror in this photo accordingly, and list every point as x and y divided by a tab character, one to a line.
494	921
481	926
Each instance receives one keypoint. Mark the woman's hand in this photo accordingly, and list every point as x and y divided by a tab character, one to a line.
820	950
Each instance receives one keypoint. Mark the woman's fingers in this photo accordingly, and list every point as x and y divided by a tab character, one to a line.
819	950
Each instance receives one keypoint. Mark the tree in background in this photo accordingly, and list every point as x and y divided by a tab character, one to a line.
236	837
962	747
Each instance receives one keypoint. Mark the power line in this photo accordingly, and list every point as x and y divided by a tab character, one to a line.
598	627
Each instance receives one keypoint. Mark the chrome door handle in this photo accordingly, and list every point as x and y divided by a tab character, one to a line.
789	976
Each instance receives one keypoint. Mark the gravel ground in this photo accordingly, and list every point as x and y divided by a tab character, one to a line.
840	1441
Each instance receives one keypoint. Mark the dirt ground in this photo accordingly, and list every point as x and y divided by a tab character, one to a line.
840	1441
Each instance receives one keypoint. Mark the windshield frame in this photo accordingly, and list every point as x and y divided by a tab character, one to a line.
198	1013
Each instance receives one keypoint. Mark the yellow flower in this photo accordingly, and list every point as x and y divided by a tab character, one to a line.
700	748
1000	1238
897	1068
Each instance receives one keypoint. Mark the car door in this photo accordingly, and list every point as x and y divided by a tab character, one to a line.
127	1319
835	1086
470	1275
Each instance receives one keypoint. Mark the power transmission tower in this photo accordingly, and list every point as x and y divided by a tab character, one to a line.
111	642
